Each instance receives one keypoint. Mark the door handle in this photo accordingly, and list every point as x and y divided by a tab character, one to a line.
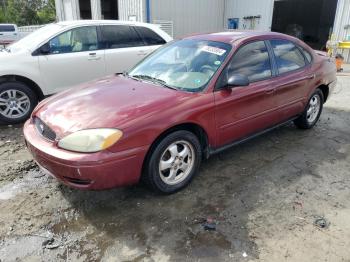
93	56
270	91
313	76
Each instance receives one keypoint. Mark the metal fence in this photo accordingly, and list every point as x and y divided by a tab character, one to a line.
25	30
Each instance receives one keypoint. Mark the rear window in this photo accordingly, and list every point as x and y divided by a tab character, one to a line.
307	55
7	28
119	36
149	37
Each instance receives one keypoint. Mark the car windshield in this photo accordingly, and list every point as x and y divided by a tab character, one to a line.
184	65
37	37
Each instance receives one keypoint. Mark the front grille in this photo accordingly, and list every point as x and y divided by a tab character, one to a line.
77	181
44	130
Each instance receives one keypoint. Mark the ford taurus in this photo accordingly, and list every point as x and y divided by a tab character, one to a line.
190	99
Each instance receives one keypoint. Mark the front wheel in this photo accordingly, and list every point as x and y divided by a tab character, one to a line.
312	111
173	162
17	102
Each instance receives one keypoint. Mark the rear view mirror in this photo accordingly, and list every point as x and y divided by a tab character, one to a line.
237	80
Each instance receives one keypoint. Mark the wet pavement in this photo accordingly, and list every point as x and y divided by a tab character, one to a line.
263	200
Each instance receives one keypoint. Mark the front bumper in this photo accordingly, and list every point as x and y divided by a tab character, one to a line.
96	171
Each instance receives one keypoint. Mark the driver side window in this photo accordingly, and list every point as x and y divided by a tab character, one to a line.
252	60
75	40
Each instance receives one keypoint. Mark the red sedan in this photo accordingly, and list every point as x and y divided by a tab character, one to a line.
190	99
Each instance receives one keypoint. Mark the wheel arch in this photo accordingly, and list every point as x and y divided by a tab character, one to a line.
194	128
30	83
325	91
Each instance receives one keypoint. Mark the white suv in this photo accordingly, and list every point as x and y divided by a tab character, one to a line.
8	34
64	54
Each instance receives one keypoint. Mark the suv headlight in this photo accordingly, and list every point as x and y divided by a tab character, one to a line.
90	140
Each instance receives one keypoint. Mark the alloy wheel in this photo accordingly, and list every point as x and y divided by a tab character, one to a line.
14	104
313	109
176	162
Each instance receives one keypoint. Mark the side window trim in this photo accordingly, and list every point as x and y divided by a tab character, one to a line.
37	51
273	62
292	71
138	33
131	27
250	42
303	50
225	69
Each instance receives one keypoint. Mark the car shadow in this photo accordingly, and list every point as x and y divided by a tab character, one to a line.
229	192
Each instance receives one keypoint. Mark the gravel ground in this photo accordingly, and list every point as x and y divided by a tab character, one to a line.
281	197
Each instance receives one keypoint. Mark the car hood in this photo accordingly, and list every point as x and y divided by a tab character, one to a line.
112	102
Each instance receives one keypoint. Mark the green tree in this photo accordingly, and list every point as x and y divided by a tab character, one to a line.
28	12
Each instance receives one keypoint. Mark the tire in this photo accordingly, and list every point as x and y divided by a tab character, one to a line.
169	169
23	101
312	111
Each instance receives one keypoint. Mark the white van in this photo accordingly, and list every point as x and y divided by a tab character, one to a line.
8	34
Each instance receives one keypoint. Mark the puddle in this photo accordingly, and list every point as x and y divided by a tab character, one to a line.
10	190
29	181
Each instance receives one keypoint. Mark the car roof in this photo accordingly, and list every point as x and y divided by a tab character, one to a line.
8	24
233	36
98	22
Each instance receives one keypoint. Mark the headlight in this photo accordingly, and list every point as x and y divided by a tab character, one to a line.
90	140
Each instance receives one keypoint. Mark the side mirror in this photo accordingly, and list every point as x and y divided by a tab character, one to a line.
45	49
237	80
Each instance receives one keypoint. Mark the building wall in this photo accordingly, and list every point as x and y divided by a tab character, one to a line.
342	21
190	16
243	8
132	9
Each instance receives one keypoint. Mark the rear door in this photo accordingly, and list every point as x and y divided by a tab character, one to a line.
123	47
243	111
8	33
293	80
74	57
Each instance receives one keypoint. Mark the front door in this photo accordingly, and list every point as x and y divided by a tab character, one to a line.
74	58
242	111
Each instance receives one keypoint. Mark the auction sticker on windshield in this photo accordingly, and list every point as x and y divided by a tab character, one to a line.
213	50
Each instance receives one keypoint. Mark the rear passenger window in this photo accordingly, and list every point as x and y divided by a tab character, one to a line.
149	37
253	61
7	28
306	54
120	36
288	56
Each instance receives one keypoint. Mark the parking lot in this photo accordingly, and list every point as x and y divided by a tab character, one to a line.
281	197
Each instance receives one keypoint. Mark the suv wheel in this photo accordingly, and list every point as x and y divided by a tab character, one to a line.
17	101
173	162
312	111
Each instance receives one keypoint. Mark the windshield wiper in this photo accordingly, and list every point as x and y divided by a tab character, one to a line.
153	79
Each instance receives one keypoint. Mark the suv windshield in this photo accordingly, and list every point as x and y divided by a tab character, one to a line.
185	65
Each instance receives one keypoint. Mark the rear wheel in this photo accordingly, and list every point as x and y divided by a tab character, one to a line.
173	162
17	101
312	111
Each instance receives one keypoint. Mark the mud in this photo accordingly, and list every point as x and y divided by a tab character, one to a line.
264	197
